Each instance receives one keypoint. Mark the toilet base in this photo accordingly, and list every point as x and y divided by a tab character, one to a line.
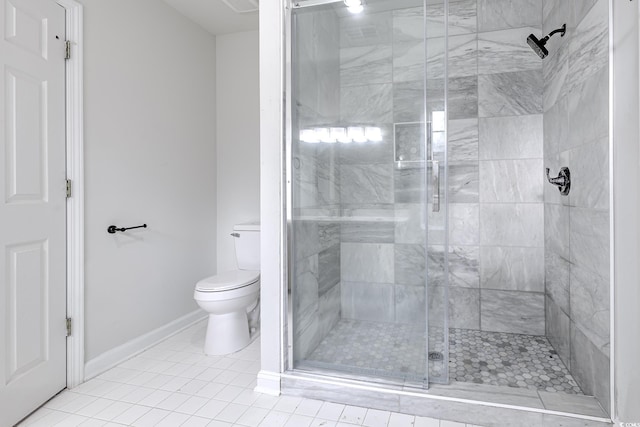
227	333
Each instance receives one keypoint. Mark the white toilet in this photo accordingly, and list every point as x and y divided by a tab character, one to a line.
229	296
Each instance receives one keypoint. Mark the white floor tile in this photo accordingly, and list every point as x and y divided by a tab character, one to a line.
50	419
232	412
119	392
42	412
229	393
92	422
252	417
103	388
353	415
275	419
196	422
225	377
174	384
211	409
209	374
375	418
400	420
151	418
247	397
193	386
192	405
426	422
319	422
265	401
112	411
78	403
287	404
138	394
243	380
309	407
85	388
73	420
154	398
210	390
158	381
298	421
330	411
173	401
173	419
95	407
131	415
193	371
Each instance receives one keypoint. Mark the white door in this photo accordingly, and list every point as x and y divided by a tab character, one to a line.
32	206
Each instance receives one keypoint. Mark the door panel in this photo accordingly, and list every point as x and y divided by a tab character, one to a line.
32	206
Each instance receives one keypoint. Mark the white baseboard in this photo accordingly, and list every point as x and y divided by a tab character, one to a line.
114	357
268	383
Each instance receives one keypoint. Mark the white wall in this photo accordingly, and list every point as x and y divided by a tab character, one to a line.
271	193
626	203
238	137
150	157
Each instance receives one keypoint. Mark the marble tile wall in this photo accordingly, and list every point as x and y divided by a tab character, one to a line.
496	213
576	135
510	159
316	190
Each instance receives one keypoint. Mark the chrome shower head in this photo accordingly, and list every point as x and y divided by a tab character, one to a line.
538	45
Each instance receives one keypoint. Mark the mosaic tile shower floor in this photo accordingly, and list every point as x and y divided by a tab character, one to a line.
501	359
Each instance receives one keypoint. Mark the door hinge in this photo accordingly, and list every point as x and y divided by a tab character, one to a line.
67	49
68	326
68	188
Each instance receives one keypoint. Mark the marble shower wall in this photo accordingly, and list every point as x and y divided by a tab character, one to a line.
496	212
576	134
383	259
510	129
316	189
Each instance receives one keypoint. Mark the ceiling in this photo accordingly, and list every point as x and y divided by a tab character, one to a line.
215	16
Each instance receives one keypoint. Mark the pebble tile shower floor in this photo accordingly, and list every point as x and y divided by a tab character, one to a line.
501	359
174	384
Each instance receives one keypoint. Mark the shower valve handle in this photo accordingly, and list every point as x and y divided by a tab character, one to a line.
562	181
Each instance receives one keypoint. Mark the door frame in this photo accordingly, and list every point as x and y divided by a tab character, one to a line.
75	204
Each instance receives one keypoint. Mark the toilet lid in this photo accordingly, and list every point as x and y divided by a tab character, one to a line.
228	280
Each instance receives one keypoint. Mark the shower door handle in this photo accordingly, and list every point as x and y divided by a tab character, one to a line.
435	182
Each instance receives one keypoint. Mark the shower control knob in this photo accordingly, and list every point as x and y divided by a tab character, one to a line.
562	181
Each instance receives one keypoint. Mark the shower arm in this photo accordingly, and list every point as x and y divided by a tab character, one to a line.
562	30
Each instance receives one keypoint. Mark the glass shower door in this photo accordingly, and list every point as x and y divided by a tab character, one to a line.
368	208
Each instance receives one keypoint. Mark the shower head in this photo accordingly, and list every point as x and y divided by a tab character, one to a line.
538	45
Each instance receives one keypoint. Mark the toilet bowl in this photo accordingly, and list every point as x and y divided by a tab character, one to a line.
227	297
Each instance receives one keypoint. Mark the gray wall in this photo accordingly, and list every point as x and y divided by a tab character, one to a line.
576	134
316	190
238	138
148	159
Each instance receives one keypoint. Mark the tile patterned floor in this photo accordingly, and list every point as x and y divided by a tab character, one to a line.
174	384
398	350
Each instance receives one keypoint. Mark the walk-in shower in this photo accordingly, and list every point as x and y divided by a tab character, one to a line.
429	249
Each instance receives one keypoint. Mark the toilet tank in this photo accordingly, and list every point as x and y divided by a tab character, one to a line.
247	242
